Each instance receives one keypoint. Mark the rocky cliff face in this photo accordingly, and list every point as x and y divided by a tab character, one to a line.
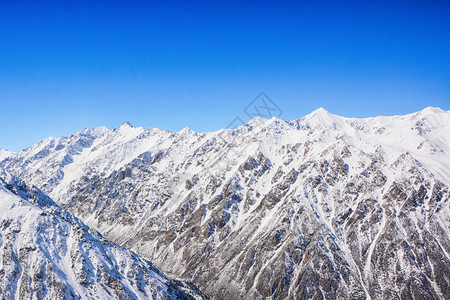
320	207
46	253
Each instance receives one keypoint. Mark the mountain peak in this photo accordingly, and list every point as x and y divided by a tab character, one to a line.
321	116
185	130
126	124
432	110
320	110
256	121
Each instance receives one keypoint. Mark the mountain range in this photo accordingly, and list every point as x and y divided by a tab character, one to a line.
323	207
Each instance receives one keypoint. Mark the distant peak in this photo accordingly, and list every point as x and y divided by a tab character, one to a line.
127	124
126	127
185	130
432	110
256	121
321	110
320	113
320	118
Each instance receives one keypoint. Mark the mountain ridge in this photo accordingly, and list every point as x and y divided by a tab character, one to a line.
428	110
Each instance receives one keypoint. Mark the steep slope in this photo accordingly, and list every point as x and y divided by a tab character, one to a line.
47	253
320	207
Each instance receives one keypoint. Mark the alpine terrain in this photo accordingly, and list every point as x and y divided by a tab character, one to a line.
323	207
45	252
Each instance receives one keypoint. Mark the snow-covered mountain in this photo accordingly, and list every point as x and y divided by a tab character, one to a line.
320	207
47	253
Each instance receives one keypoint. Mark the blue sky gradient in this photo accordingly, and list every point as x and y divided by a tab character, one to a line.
67	65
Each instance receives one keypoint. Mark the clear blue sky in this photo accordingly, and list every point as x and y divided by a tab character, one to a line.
67	65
